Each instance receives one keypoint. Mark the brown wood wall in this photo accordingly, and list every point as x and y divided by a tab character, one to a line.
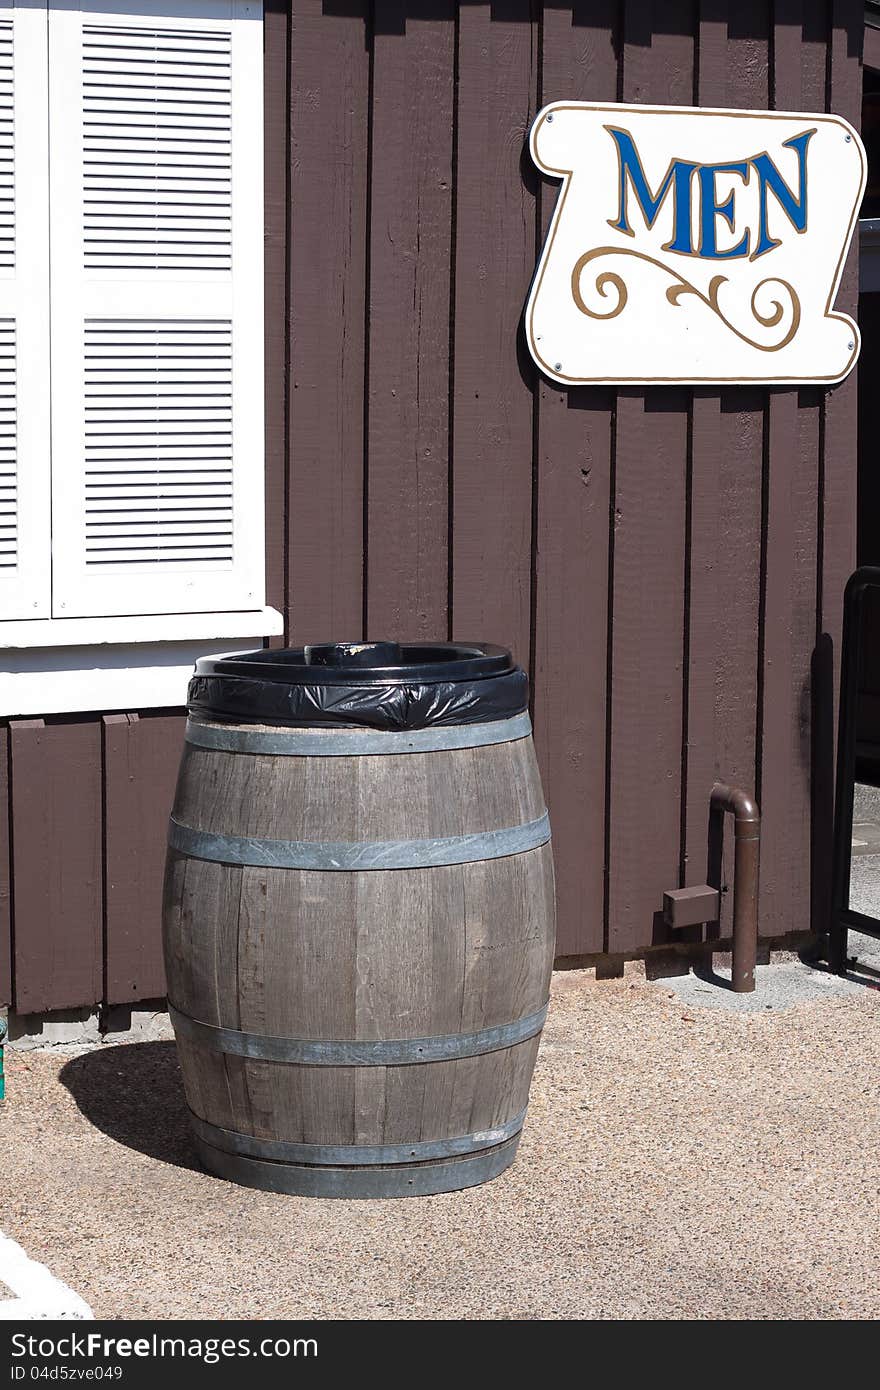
668	563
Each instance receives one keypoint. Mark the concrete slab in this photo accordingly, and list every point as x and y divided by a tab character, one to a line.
65	1027
864	884
784	984
89	1028
866	803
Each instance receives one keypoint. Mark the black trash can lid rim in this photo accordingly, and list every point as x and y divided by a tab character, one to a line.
364	663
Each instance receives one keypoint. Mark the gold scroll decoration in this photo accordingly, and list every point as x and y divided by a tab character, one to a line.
609	279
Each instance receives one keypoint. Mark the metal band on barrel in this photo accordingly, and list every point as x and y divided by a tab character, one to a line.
382	1052
281	1151
353	855
417	1180
336	743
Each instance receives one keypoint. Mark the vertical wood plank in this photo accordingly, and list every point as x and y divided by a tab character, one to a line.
647	638
748	54
56	797
814	54
495	259
647	663
839	492
814	57
329	119
709	603
725	531
789	605
575	433
726	592
276	165
673	52
141	755
5	875
785	76
410	267
703	592
788	631
739	512
739	583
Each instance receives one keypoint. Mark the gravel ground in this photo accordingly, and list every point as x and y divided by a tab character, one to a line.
679	1161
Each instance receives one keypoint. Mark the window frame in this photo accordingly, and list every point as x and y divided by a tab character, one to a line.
251	618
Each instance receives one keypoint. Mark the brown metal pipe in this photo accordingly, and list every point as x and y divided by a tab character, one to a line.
746	862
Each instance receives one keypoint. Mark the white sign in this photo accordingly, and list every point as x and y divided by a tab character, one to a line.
694	246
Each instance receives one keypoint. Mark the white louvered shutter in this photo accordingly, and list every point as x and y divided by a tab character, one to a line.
25	562
157	306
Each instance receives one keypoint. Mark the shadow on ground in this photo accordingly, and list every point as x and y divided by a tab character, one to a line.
134	1093
858	974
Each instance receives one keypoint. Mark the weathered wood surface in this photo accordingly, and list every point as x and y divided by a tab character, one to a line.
325	317
839	478
670	563
5	873
276	160
363	955
492	379
402	796
647	598
726	538
409	320
57	823
140	772
575	471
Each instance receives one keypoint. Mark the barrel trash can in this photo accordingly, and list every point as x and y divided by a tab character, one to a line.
359	916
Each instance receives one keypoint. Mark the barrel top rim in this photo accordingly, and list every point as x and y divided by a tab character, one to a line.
348	663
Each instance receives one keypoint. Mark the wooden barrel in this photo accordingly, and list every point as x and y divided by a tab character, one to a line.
359	933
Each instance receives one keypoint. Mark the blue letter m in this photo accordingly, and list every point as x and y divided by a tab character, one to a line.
677	176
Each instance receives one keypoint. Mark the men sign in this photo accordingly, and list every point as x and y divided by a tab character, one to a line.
694	245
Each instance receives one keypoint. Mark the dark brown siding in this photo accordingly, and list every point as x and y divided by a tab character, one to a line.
669	563
724	518
56	816
277	162
410	235
839	480
495	245
5	875
140	771
574	468
329	91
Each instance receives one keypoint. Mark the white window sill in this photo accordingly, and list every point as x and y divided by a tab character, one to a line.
162	627
97	665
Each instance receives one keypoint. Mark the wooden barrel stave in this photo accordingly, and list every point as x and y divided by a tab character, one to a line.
399	797
445	932
394	954
358	1105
